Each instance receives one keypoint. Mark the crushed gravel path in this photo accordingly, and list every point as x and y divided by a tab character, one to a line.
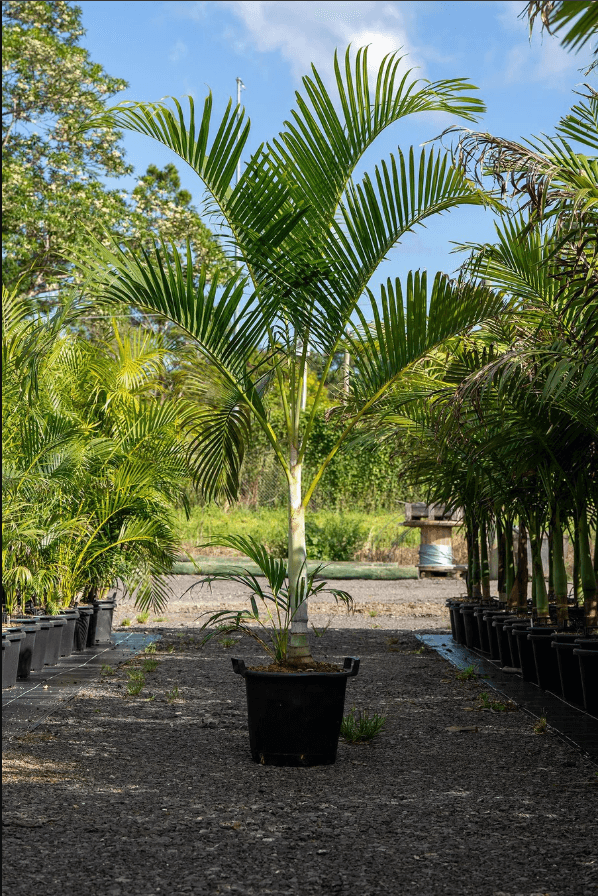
157	794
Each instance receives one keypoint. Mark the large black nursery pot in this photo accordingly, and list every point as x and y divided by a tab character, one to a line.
12	640
27	647
82	627
504	651
588	667
56	623
488	618
512	640
563	645
450	604
67	642
472	636
547	667
295	718
100	624
527	664
458	621
479	613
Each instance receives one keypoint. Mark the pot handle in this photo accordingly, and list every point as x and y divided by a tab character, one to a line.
238	666
354	669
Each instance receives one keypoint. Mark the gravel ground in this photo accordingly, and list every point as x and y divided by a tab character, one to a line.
157	794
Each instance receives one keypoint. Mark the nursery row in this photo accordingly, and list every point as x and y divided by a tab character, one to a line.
29	643
562	662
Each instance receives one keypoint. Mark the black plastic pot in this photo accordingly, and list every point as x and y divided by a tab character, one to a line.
588	667
458	621
68	632
547	667
11	658
295	718
450	604
504	651
512	641
569	673
489	617
527	664
472	637
100	625
38	642
82	627
27	648
57	623
479	613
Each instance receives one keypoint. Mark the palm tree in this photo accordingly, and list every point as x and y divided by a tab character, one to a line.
311	239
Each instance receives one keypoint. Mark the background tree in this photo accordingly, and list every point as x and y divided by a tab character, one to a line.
54	179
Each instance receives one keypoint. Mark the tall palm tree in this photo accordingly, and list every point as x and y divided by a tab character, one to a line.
311	239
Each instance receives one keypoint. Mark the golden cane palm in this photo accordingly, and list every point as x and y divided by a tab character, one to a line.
310	238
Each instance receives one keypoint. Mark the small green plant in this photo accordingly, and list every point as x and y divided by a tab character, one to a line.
358	726
126	622
227	642
107	670
541	726
173	695
142	617
320	632
467	674
373	612
149	665
150	648
495	705
419	650
136	682
160	619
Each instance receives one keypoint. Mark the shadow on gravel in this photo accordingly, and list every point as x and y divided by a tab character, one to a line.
156	793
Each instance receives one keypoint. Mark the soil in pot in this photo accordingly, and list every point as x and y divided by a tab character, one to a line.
295	718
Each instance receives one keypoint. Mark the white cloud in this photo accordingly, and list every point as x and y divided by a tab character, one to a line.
304	31
178	52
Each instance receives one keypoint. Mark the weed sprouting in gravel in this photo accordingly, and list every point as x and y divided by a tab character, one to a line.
173	695
496	705
136	682
142	617
467	674
541	726
227	641
320	632
358	726
149	664
125	622
107	670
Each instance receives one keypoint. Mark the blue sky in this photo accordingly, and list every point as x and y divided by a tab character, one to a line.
179	48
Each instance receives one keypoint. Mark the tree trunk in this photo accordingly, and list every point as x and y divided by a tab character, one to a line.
511	594
576	561
541	595
485	565
586	569
298	650
522	573
501	544
476	591
559	572
470	539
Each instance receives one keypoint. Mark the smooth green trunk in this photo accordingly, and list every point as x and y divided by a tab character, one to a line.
587	574
540	597
470	564
501	546
298	650
476	589
559	571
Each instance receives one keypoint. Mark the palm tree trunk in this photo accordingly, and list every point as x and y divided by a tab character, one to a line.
484	563
476	575
509	564
541	601
522	573
501	544
470	540
586	568
298	650
559	572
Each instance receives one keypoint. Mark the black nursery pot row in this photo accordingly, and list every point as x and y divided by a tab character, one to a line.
560	662
29	643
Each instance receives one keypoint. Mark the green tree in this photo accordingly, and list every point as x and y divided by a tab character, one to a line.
54	181
311	240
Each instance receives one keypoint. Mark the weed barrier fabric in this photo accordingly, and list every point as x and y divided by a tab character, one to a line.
166	783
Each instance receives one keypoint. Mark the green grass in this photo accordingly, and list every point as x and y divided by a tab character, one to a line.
142	617
382	531
358	726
